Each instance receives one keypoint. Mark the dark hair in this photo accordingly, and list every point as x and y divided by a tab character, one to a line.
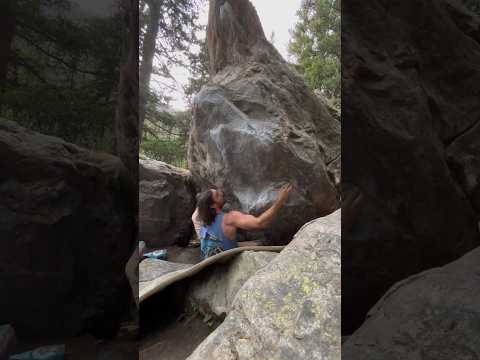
205	211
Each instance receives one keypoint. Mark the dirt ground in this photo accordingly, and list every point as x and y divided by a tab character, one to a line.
175	341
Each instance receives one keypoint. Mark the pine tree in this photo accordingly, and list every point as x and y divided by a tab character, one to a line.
316	45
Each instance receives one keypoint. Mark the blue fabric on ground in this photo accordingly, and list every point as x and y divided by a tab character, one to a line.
56	352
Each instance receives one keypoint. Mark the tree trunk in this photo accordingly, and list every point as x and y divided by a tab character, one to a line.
7	31
126	124
126	117
148	54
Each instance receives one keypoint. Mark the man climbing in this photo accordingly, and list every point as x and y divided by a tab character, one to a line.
217	229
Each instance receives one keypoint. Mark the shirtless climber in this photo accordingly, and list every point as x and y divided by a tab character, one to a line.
218	229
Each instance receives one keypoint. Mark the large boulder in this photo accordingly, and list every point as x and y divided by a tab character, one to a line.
290	309
256	125
166	204
67	228
410	115
432	315
213	291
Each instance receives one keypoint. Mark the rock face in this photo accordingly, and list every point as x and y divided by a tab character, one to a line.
256	125
166	204
410	120
214	290
431	315
66	232
290	309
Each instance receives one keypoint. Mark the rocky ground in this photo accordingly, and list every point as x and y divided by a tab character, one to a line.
432	315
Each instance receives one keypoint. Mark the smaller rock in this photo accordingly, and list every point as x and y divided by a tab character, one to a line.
214	290
7	341
433	315
166	204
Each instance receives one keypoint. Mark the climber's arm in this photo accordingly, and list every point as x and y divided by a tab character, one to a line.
243	221
250	222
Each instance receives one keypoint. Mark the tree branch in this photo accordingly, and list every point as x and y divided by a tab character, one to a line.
58	59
